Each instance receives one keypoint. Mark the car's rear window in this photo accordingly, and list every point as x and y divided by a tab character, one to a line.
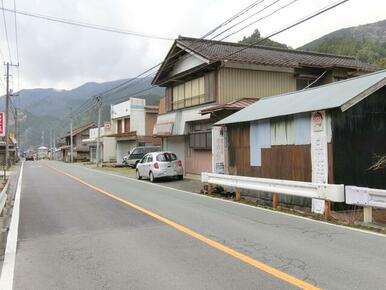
166	157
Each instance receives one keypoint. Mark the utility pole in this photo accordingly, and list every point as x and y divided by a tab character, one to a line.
7	120
71	145
98	149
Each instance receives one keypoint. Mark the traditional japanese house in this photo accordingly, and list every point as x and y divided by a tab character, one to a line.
199	74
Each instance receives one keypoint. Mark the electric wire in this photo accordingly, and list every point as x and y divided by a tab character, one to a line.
85	24
131	80
6	31
304	19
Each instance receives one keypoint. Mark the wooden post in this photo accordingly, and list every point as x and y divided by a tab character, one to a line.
210	188
275	200
367	214
238	194
327	209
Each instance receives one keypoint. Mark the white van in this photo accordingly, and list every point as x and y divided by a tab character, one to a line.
137	153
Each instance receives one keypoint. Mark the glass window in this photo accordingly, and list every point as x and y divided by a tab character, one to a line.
166	157
150	158
189	94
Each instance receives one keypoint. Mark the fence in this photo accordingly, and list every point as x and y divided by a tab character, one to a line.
366	197
3	196
327	192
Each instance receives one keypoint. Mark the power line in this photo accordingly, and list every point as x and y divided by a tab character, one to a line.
16	33
245	19
5	29
124	84
85	24
229	20
261	18
312	15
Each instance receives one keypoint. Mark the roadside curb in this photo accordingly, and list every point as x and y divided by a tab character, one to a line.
7	271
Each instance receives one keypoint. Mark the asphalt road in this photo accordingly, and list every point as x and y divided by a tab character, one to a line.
72	236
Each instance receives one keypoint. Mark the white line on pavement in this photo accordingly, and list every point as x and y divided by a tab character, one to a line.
6	278
241	204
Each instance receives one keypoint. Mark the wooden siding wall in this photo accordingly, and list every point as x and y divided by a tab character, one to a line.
168	99
291	162
236	83
151	119
162	105
211	86
359	136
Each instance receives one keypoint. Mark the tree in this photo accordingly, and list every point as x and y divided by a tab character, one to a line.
256	37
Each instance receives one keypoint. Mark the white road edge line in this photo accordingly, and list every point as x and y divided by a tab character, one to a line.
7	272
239	203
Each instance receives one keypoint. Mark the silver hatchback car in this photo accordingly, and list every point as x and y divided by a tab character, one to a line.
159	164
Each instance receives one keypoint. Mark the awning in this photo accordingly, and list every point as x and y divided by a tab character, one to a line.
163	129
231	106
174	123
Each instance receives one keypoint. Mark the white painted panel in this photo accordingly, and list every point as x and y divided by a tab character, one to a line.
259	137
186	63
319	154
302	127
137	121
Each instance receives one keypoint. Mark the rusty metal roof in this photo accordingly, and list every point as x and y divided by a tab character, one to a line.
232	106
343	94
222	51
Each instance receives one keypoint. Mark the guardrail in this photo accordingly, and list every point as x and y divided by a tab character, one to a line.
366	197
328	192
3	196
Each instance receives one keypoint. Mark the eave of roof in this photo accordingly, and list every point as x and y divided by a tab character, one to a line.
231	106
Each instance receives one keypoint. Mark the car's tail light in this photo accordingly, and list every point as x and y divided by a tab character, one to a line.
179	162
156	165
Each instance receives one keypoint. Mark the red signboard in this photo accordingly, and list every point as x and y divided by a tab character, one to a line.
2	125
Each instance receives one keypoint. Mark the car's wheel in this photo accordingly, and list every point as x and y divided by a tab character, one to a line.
151	177
180	177
138	175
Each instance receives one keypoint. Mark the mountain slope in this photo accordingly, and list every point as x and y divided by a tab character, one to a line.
373	32
365	42
43	110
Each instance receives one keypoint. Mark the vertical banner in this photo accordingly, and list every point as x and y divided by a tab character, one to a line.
218	149
2	124
319	155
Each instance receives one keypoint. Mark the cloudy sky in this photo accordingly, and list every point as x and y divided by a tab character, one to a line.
62	56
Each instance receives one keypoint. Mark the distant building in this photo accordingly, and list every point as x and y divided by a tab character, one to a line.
132	124
81	151
42	152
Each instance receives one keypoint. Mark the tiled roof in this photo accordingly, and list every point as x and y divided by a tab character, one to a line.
220	51
233	106
80	129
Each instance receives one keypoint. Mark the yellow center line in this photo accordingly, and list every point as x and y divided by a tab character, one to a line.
255	263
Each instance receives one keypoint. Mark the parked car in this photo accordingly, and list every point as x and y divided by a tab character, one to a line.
135	155
29	155
158	165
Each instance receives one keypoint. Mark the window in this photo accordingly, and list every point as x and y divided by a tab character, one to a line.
200	140
150	158
166	157
304	83
127	125
119	126
189	94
